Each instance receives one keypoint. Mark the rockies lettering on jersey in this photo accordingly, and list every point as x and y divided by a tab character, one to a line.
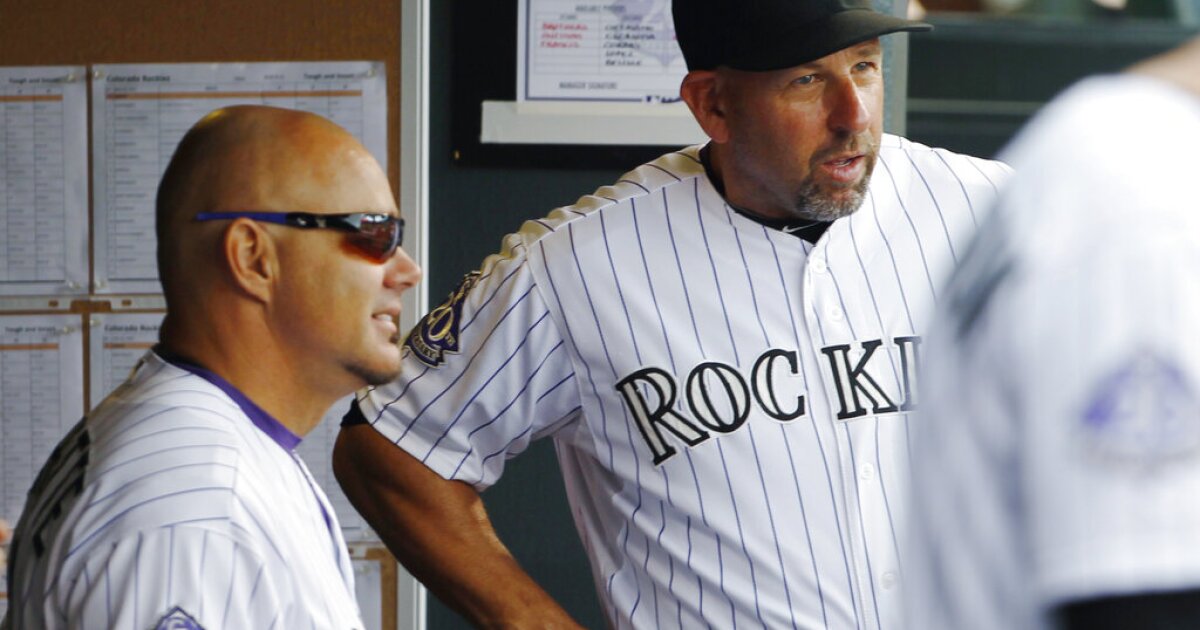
725	406
729	404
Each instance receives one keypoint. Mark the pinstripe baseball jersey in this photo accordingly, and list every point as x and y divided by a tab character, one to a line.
1059	452
729	403
177	501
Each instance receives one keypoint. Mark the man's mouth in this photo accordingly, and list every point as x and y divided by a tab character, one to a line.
387	320
845	168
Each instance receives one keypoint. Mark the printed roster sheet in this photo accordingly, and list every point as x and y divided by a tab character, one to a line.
621	50
43	180
141	111
41	397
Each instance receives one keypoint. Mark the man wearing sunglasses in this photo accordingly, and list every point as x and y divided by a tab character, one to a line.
180	500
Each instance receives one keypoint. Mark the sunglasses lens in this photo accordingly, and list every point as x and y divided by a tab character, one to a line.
378	236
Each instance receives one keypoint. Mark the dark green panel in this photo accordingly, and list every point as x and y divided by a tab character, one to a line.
973	82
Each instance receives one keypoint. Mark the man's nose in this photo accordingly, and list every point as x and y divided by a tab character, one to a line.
402	271
848	110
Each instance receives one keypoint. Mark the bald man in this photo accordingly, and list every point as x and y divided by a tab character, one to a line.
180	502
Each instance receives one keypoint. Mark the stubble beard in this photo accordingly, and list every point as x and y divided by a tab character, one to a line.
374	375
816	202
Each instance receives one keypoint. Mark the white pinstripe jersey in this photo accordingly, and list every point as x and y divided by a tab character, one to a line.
176	500
728	402
1059	456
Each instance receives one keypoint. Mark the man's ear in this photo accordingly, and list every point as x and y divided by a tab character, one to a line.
699	91
251	257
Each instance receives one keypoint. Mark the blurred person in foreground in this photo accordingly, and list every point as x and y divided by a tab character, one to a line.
1057	463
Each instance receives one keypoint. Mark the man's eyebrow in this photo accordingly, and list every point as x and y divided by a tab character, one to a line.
869	47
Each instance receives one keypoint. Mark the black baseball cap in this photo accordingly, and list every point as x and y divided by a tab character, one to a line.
762	35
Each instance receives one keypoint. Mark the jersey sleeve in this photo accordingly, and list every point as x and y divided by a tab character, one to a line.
483	374
170	577
1108	364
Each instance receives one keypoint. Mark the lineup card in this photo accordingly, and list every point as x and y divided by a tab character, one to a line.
118	341
41	397
43	180
141	111
620	50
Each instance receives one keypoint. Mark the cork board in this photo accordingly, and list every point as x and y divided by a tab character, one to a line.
84	32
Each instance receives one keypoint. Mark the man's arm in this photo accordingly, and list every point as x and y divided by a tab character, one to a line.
440	531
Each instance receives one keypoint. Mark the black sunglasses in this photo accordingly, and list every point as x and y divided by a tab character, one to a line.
375	234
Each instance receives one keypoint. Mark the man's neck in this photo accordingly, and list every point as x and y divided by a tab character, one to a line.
252	364
808	230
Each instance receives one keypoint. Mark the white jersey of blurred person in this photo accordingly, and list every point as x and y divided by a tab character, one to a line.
1057	465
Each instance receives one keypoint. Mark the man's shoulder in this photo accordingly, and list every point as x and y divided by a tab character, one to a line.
644	183
164	405
896	146
640	187
168	552
138	489
165	439
905	158
157	385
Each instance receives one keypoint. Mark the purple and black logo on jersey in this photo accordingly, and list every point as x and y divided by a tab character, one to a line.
1143	413
177	619
437	332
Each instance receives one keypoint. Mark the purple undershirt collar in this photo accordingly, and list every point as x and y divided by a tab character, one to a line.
261	419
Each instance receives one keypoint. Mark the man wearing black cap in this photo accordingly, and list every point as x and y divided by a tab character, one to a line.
722	346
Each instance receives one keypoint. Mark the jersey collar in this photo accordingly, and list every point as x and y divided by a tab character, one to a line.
261	419
809	231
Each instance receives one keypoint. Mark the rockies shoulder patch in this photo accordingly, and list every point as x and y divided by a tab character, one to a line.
437	332
177	619
1145	411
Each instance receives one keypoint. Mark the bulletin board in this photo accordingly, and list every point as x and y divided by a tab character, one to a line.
85	34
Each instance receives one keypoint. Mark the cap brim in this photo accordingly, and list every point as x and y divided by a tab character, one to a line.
812	41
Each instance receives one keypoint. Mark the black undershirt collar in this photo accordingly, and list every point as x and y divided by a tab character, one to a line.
810	231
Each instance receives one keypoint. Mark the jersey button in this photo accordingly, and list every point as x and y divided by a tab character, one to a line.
836	314
888	580
818	266
866	472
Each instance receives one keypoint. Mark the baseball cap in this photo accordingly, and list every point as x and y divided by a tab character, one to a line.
761	35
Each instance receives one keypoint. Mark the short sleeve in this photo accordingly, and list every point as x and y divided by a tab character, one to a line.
483	374
165	578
